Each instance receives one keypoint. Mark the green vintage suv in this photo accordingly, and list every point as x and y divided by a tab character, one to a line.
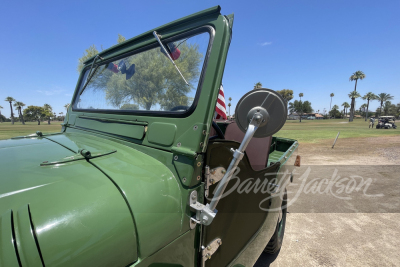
141	173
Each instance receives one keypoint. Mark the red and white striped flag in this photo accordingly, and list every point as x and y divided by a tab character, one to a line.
220	109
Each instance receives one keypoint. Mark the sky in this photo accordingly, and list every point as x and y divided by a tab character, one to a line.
310	47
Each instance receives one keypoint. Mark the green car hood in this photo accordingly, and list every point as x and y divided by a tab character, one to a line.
103	210
60	215
151	190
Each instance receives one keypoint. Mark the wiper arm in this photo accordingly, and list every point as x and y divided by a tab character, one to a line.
167	53
90	75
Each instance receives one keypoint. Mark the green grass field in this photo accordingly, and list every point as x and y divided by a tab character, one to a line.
7	130
308	131
312	131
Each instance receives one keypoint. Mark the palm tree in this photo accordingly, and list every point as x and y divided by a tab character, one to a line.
332	95
1	120
345	106
66	106
363	107
61	115
258	85
19	106
9	99
368	96
353	95
301	109
49	110
354	77
383	97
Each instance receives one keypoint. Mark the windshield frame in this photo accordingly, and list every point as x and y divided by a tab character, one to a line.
180	114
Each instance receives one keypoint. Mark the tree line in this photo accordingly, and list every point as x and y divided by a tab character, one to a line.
386	106
297	106
30	113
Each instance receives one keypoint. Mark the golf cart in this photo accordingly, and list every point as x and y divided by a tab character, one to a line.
386	122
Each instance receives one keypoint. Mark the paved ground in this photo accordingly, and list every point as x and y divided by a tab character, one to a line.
330	222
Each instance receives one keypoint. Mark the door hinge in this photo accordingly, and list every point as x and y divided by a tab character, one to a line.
210	249
213	176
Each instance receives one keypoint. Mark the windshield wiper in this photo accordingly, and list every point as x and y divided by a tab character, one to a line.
167	53
90	75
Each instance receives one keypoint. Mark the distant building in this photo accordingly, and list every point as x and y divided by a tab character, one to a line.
316	116
293	116
355	116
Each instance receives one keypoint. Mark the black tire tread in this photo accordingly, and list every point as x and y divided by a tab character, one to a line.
274	245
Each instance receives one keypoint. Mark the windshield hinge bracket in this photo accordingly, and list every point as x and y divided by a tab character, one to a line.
203	214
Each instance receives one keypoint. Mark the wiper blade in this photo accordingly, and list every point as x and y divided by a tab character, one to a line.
167	53
90	75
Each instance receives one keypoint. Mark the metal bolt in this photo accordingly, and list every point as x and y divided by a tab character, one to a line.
209	247
212	181
205	218
195	127
201	144
208	256
223	171
176	158
184	179
198	178
204	132
219	242
194	196
178	145
198	164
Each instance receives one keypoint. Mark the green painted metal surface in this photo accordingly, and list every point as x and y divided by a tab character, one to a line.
118	208
78	214
127	203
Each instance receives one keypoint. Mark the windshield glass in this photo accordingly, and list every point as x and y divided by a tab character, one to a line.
147	80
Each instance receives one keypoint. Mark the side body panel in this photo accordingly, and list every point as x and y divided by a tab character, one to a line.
255	247
243	209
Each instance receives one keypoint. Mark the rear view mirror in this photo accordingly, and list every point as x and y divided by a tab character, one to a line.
269	104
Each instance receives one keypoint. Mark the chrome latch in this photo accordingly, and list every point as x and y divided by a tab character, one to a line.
213	176
211	249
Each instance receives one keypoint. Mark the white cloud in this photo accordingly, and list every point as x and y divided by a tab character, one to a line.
265	43
50	92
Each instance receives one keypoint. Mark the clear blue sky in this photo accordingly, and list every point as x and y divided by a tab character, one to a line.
307	46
